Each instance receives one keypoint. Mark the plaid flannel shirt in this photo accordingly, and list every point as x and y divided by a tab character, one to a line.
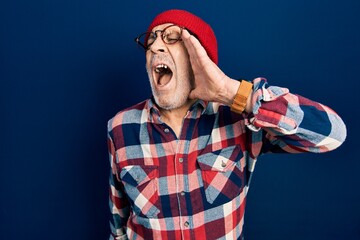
194	186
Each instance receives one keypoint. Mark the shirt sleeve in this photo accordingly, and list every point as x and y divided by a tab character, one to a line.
285	122
118	203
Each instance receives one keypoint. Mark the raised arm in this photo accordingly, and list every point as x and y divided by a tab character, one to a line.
292	123
279	120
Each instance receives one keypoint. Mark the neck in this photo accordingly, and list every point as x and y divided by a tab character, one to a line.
174	117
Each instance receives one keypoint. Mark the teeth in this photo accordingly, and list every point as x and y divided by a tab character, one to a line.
161	66
158	67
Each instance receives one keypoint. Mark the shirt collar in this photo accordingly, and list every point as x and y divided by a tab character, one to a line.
154	112
199	104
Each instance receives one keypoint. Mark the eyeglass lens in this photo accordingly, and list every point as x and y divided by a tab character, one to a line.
169	35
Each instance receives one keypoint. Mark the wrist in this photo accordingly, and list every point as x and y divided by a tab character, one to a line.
242	99
227	95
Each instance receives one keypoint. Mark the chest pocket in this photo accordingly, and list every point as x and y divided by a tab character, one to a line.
140	184
222	174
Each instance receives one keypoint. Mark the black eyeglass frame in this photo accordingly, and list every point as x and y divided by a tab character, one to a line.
147	34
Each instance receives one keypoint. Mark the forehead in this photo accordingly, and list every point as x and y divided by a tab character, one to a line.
161	26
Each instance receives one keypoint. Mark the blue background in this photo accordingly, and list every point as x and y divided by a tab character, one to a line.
68	66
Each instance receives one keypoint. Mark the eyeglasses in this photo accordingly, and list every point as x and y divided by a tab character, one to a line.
170	35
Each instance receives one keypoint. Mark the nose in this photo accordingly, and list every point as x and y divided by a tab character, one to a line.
158	45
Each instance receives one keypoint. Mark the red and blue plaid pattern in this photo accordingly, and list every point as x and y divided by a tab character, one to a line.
194	186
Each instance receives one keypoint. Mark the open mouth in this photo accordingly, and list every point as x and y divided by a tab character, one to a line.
163	74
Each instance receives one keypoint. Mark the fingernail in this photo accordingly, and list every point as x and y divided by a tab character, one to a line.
186	32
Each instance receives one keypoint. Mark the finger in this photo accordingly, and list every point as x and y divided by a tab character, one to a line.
190	48
193	45
188	44
186	37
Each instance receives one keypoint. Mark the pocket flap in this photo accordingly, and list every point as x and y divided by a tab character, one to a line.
137	175
220	160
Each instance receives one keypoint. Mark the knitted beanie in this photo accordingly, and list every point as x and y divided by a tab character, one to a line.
194	24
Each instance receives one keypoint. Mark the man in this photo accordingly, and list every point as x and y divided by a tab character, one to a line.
182	161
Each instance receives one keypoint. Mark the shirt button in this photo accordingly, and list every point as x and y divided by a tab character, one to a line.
186	224
223	164
166	130
182	193
181	160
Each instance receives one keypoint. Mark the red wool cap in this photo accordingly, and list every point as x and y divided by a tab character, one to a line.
194	24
